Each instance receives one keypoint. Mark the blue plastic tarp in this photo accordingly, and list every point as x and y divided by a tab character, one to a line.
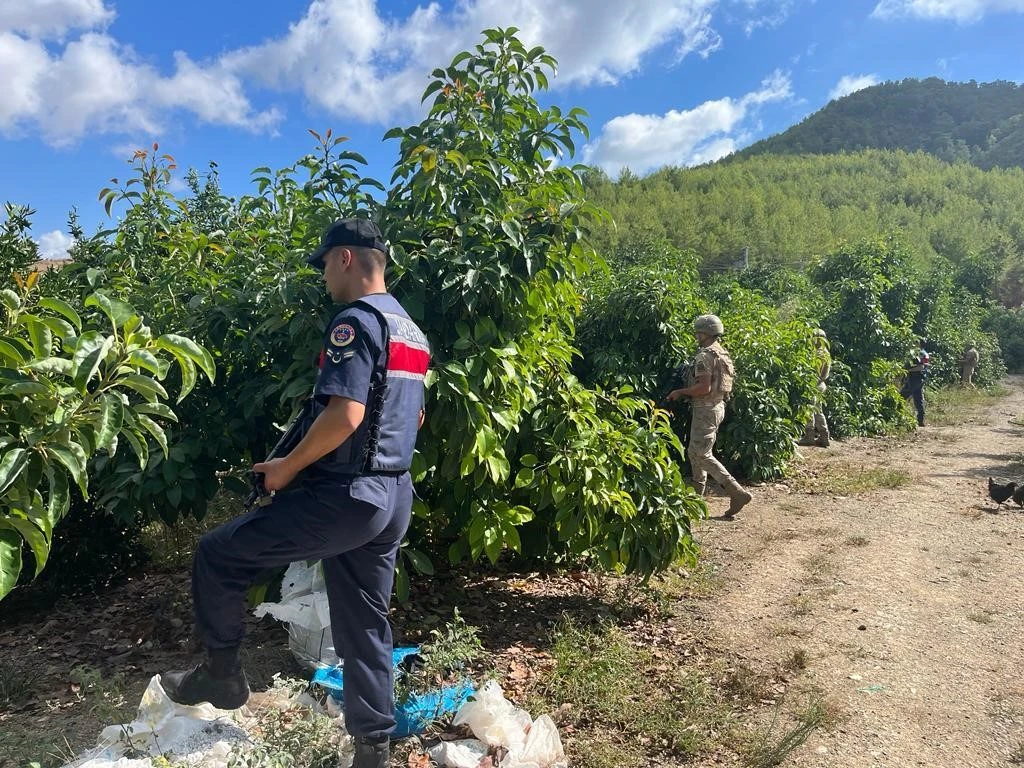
417	713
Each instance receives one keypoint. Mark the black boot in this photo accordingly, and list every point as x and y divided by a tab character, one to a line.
371	753
219	681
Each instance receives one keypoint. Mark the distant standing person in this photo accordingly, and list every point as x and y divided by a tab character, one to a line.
967	365
709	385
913	385
817	428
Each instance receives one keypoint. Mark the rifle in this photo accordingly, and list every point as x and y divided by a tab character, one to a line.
259	496
677	380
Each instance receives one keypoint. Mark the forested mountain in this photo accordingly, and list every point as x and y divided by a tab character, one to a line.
792	209
978	123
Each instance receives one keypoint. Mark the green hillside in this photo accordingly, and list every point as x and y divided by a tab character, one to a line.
792	208
978	123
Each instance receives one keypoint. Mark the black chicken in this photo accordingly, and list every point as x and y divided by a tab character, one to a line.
1018	495
998	492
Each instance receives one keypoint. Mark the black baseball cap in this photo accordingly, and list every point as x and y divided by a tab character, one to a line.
361	233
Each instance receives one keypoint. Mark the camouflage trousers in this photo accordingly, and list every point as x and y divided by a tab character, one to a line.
817	427
703	430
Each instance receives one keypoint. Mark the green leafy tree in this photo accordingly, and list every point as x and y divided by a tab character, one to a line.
489	235
70	389
18	251
868	313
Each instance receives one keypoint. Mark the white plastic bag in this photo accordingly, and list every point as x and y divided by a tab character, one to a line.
305	609
163	727
466	753
493	719
543	747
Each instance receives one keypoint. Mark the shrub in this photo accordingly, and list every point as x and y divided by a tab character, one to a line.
69	389
1008	327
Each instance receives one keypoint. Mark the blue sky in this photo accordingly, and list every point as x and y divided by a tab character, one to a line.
666	82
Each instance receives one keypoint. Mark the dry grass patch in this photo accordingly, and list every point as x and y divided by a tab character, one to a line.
626	704
857	541
953	406
796	661
850	480
818	569
1017	754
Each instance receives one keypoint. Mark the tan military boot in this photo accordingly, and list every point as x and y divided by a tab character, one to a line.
700	487
739	497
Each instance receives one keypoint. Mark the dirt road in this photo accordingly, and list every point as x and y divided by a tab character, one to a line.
904	605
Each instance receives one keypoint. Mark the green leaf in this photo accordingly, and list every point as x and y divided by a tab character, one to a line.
11	465
62	308
89	353
59	500
26	389
10	354
156	409
10	299
138	444
401	582
419	561
31	534
188	375
10	560
195	352
59	327
143	358
145	386
39	334
73	457
116	311
525	477
110	419
154	429
53	366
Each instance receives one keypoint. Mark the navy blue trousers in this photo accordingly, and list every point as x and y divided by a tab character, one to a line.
356	529
916	393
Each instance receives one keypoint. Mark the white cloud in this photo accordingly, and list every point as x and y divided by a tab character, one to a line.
96	85
55	245
849	83
52	18
768	13
347	58
687	137
963	11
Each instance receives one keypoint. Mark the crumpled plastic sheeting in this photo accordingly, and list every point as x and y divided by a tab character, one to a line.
201	735
496	722
304	608
464	753
198	737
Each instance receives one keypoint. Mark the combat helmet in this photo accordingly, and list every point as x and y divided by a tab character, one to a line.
709	324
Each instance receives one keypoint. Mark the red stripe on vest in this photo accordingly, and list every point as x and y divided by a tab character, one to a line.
402	357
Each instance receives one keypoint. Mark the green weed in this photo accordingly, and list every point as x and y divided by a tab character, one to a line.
770	748
15	684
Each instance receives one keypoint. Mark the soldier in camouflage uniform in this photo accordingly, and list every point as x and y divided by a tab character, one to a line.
967	365
708	387
817	428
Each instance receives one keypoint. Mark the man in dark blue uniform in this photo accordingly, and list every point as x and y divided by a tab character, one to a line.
913	384
343	494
